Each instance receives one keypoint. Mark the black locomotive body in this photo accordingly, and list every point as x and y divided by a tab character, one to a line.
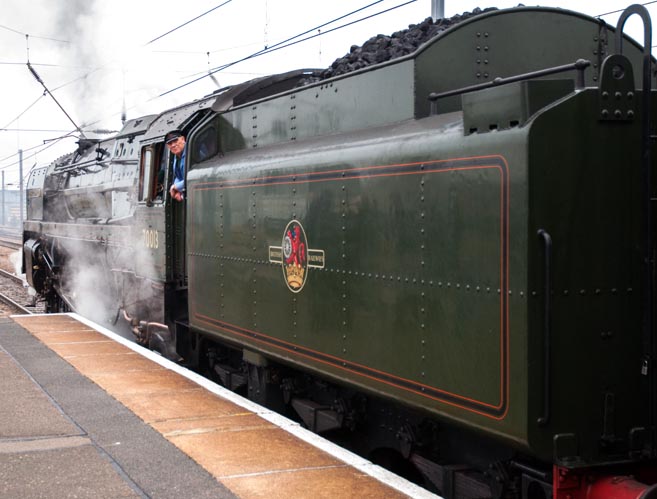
449	252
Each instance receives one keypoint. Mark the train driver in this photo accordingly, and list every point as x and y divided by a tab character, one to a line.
175	141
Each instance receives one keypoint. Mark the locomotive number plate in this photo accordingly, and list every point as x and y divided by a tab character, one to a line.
151	239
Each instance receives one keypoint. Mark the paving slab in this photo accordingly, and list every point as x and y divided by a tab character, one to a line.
68	349
64	436
336	482
25	410
193	403
80	472
143	382
193	426
223	454
171	433
112	363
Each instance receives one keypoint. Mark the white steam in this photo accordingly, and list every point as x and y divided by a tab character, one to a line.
16	260
103	280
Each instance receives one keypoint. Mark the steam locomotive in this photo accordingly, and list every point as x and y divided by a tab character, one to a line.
451	252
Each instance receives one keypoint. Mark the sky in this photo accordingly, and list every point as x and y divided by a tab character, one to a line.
99	57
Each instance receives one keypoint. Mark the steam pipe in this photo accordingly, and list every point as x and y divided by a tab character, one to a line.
142	329
135	327
158	324
155	324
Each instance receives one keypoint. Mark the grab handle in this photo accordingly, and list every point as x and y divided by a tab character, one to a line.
547	325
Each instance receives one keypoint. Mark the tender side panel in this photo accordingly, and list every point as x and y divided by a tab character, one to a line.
372	98
414	277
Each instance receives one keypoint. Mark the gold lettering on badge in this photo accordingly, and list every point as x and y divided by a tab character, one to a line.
275	254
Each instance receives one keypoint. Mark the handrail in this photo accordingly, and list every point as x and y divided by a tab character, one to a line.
547	326
579	65
649	343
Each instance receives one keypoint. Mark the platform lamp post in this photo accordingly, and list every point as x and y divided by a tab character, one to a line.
3	198
437	9
20	185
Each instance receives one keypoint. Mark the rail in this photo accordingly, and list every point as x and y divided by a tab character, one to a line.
4	298
10	237
11	243
8	301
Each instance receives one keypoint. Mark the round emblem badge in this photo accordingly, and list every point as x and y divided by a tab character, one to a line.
295	258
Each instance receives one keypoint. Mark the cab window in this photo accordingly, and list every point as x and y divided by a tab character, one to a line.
206	143
152	174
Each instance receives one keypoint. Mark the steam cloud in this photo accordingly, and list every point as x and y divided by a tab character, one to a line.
101	281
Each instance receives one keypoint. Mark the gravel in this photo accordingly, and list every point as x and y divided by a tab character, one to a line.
10	261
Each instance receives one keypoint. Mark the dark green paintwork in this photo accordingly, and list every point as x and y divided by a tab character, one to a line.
507	43
510	105
432	291
587	194
338	106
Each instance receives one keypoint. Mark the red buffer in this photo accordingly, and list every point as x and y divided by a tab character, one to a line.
587	484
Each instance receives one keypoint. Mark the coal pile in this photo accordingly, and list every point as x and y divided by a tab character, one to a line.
381	48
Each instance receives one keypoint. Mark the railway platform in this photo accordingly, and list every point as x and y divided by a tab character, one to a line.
85	413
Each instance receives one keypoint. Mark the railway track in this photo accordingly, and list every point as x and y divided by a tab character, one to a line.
10	242
14	295
11	238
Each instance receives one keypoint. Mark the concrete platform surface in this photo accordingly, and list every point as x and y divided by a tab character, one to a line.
85	413
62	436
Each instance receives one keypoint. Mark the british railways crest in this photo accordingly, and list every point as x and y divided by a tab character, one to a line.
295	256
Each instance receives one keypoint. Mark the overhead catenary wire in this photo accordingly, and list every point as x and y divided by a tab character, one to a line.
222	68
12	63
283	43
50	142
186	23
31	130
223	49
38	78
33	36
5	128
23	112
621	10
30	67
274	47
46	91
269	49
278	46
42	146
